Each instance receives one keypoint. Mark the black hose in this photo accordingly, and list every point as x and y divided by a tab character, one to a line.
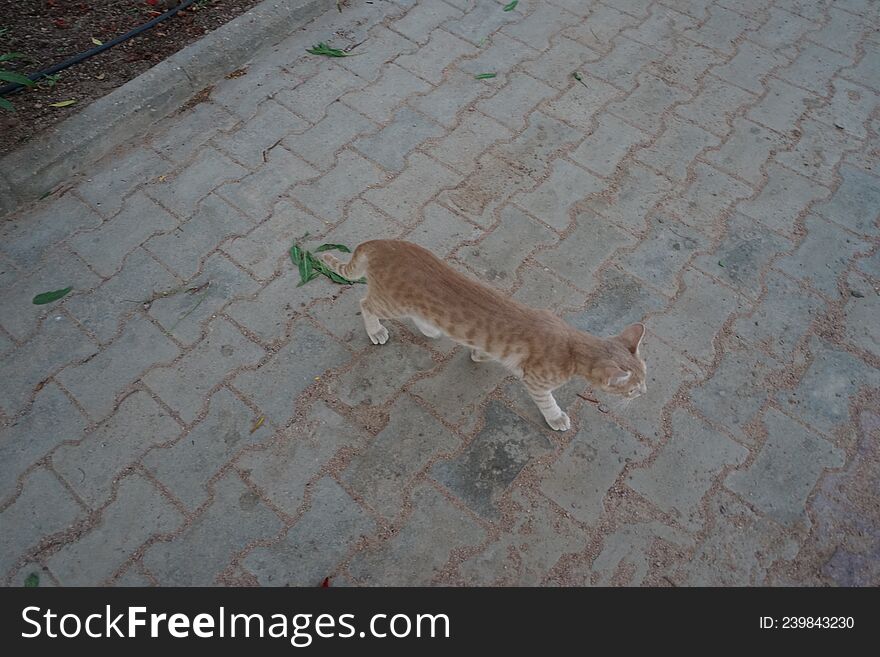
76	59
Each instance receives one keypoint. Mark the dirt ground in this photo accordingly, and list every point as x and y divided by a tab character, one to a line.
50	31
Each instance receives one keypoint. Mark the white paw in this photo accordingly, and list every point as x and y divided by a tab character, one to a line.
560	423
380	336
479	356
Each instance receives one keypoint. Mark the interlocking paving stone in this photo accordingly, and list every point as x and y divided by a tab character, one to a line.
51	420
744	252
746	149
579	255
619	299
486	189
99	553
707	305
271	123
694	451
380	373
818	151
605	147
202	551
442	231
787	468
284	469
59	342
631	545
208	171
379	99
44	507
533	149
91	465
498	255
183	249
26	240
20	316
740	549
735	392
781	319
513	102
856	203
379	474
316	543
186	383
630	200
822	256
403	197
552	200
524	555
429	61
715	105
849	109
821	397
861	313
318	145
183	314
140	281
257	193
422	18
706	198
186	466
484	471
107	186
309	354
665	372
457	93
580	478
311	99
389	146
782	199
666	249
580	104
676	148
416	553
263	249
647	103
457	404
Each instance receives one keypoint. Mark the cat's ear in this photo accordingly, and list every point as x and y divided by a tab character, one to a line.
614	376
631	337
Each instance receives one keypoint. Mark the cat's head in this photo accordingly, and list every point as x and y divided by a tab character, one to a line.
618	367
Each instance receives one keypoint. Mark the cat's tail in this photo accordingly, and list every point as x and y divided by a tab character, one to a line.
353	269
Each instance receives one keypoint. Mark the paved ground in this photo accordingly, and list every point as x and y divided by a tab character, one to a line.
713	173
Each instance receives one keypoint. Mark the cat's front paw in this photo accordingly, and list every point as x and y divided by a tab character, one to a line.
380	336
560	423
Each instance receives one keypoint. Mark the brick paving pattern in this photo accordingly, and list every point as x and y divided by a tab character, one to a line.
712	173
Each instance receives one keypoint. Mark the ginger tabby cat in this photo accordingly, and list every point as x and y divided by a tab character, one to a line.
407	281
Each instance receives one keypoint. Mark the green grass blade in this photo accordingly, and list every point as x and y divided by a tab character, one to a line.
510	6
485	76
5	104
49	297
333	247
16	78
296	254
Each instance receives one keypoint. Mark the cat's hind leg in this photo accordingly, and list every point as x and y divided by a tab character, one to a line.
378	334
479	356
428	330
555	416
